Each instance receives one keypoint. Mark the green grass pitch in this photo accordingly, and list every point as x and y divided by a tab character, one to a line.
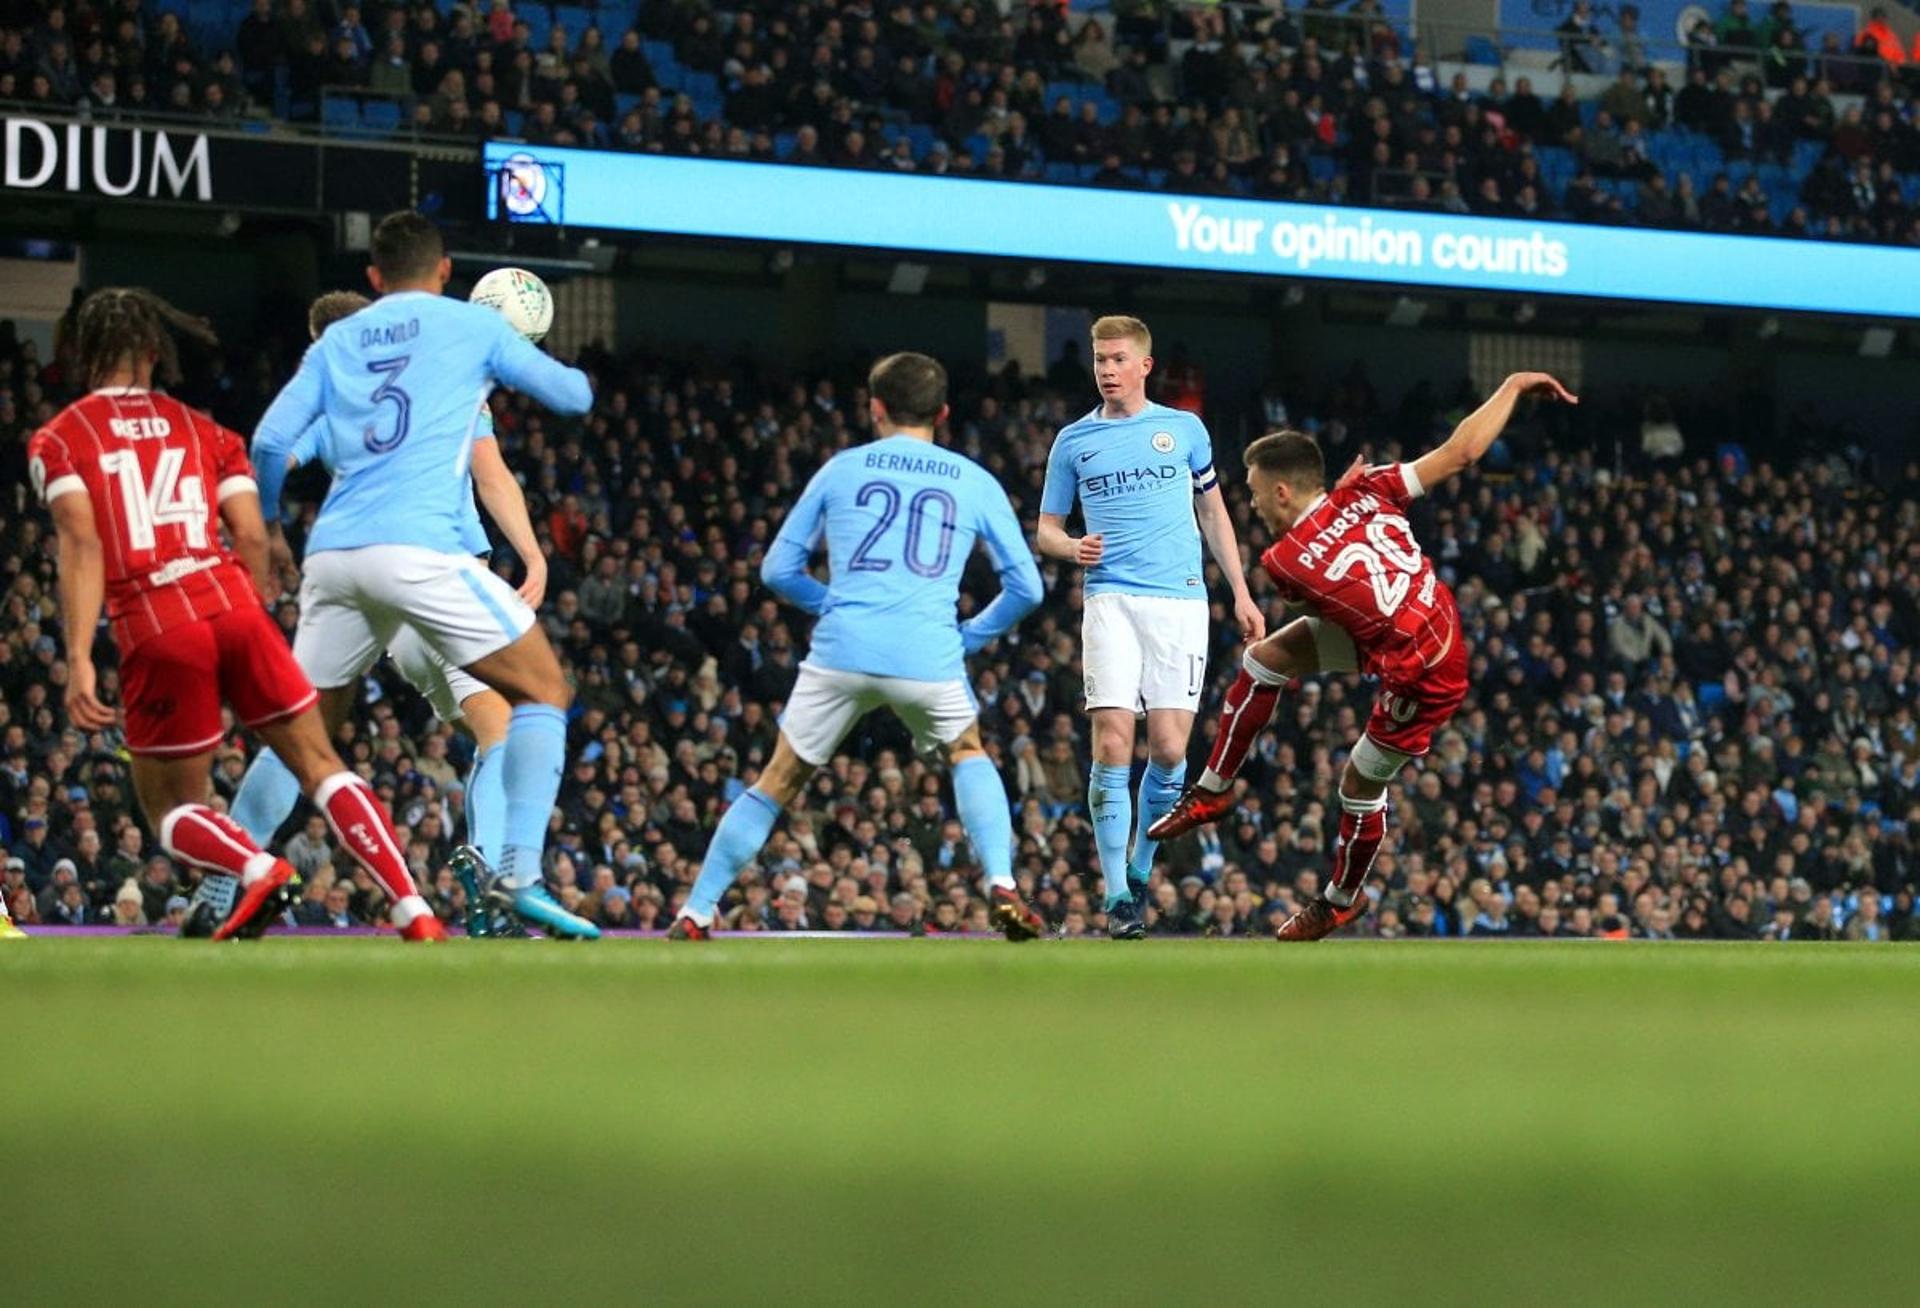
358	1122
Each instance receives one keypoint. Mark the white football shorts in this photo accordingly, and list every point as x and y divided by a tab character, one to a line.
354	603
1144	652
826	703
445	686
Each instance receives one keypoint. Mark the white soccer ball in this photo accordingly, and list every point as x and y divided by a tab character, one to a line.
520	297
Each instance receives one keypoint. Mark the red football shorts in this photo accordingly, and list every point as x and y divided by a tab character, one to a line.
174	683
1407	712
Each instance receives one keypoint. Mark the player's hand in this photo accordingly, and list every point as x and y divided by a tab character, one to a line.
1251	621
84	708
534	589
1088	549
283	574
1541	383
1352	474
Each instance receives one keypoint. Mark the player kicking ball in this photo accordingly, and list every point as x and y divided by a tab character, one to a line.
1143	476
397	384
269	790
1349	554
139	486
899	516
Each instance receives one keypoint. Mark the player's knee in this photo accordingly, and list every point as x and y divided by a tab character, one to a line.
1371	767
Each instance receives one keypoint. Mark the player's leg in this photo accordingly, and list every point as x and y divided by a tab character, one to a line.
353	813
172	685
173	792
476	621
1399	730
1363	826
945	715
271	696
1294	651
1168	732
824	705
1173	634
1112	655
269	790
458	697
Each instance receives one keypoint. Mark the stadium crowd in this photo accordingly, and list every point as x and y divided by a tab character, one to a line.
1692	711
1750	131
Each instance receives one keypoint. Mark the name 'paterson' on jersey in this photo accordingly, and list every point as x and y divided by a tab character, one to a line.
884	461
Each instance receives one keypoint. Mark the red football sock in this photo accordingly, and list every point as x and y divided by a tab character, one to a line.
1361	831
1247	710
195	834
359	825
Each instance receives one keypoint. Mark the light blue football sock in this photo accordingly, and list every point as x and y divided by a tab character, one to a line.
984	812
532	758
266	796
1159	790
1110	802
742	832
487	804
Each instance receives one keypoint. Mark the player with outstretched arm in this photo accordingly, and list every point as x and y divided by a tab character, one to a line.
1379	608
1143	476
269	791
399	384
899	517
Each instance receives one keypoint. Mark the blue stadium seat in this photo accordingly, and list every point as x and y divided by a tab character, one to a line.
783	145
339	113
1322	168
516	120
576	19
1482	50
922	138
382	116
539	21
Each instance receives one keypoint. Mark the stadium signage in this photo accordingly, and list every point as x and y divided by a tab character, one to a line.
108	161
956	216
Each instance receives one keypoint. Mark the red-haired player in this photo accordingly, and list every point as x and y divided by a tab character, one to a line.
1349	554
139	486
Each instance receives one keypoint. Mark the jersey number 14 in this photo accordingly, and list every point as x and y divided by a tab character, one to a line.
171	501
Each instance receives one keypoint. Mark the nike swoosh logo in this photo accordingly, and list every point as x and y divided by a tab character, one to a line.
1088	455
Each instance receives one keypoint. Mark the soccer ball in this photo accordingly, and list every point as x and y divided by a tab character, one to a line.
521	298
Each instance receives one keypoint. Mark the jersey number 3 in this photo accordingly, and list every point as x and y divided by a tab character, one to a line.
1389	564
389	392
172	500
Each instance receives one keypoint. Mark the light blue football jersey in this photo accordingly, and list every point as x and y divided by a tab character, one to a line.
899	518
1135	479
473	534
400	385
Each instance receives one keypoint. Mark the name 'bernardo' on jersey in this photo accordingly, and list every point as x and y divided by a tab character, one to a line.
883	461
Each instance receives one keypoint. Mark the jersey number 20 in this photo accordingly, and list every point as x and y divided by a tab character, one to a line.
1390	565
889	497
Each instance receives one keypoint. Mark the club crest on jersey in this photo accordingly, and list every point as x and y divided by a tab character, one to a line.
1163	442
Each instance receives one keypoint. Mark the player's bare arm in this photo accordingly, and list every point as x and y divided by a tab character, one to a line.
1053	542
1216	528
506	504
240	513
83	594
1478	430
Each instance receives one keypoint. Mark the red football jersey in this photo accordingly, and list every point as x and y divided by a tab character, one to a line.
156	472
1352	556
